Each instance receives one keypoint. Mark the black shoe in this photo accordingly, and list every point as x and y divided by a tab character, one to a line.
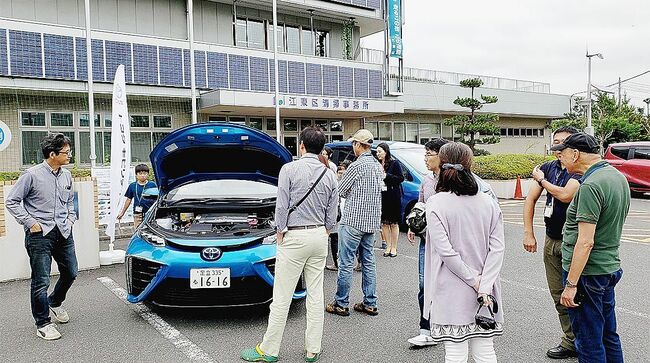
561	352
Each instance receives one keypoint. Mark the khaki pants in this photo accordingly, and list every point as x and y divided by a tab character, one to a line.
553	266
301	251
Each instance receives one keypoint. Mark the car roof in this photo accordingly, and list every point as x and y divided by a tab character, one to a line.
634	143
394	145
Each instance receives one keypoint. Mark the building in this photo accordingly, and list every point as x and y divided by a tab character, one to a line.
43	75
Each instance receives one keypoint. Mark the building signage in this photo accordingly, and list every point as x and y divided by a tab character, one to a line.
324	103
5	136
395	27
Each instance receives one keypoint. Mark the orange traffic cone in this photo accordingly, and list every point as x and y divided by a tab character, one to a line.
518	193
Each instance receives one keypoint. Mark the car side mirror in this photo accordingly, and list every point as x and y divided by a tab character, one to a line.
150	193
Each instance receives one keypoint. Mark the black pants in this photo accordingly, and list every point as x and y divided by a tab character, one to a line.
334	245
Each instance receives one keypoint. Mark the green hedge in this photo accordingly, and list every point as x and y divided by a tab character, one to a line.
507	166
13	175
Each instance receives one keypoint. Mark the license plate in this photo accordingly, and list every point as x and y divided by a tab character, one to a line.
209	278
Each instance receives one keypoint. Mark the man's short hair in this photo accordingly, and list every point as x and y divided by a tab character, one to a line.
435	144
313	139
54	143
141	167
568	129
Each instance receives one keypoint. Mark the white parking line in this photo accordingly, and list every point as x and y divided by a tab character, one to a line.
191	350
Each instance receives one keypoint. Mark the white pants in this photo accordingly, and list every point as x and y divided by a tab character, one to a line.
482	351
301	250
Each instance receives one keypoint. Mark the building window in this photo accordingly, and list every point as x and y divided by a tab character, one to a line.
336	126
304	124
255	122
83	120
280	34
162	121
399	131
84	147
250	33
293	39
412	132
217	119
429	131
140	121
58	119
107	120
33	118
157	137
270	124
307	41
321	124
372	127
504	132
237	120
140	146
290	125
31	145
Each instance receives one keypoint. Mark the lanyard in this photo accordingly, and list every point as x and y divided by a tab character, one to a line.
138	198
592	170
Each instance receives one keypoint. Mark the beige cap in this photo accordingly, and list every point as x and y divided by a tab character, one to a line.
363	136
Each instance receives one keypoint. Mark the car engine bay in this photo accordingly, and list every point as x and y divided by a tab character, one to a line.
225	224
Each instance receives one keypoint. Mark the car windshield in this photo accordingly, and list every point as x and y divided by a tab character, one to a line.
414	157
222	190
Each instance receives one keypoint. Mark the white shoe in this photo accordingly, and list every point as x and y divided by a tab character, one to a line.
422	341
48	332
60	314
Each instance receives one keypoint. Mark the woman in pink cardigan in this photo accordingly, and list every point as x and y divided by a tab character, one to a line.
464	254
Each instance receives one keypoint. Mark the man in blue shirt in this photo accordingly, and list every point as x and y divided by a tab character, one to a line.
134	194
560	188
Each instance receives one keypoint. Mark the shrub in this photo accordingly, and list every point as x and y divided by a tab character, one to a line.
13	175
9	175
507	166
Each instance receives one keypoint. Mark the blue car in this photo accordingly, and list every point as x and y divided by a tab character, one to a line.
411	159
209	239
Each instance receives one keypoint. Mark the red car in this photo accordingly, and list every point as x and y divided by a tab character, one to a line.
633	160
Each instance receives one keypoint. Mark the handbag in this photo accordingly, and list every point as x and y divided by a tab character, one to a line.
486	322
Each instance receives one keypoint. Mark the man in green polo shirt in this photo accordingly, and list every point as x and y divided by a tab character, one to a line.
590	250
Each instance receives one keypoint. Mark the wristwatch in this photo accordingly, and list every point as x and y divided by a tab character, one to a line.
570	284
540	181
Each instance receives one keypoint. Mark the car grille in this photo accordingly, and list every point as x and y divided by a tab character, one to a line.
248	290
140	272
198	249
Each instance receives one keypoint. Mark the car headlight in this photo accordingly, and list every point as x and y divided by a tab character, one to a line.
270	240
149	236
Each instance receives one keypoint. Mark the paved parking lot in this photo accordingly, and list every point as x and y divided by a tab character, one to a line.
104	328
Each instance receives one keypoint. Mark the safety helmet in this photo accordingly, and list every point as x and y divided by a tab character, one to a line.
417	219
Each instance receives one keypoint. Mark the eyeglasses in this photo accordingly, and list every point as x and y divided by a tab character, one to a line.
428	154
69	152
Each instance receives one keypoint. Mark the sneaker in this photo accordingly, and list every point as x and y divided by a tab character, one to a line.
422	340
363	308
60	314
48	332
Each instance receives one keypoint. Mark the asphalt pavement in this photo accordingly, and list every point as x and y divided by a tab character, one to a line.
103	328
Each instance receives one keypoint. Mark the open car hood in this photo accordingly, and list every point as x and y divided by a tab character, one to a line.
208	151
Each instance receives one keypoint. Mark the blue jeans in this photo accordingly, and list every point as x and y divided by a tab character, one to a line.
41	249
351	239
594	321
424	323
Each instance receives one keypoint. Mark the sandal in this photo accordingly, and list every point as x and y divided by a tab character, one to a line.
331	268
334	308
386	254
256	355
312	359
393	254
363	308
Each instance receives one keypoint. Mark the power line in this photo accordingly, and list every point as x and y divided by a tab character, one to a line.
625	80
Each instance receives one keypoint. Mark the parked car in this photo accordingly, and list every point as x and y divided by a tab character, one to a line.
209	239
411	159
633	160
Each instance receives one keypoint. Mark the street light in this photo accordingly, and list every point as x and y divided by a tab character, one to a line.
590	130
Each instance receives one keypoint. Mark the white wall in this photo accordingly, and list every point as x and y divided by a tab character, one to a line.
14	261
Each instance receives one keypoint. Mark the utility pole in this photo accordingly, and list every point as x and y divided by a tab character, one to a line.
589	129
619	91
647	107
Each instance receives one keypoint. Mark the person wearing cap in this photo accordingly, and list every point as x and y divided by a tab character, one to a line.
590	249
361	187
302	233
560	186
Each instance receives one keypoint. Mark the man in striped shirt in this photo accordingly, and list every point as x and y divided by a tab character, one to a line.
361	187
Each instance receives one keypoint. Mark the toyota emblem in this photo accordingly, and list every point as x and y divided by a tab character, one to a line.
211	254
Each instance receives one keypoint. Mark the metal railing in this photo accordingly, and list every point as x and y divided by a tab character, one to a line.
376	56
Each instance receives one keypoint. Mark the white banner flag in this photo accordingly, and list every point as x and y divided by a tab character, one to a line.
120	149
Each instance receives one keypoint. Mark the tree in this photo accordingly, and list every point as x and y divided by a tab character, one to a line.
611	122
475	129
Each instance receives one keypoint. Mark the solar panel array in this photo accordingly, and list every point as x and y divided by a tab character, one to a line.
65	58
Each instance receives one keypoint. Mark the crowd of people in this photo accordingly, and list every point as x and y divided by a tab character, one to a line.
457	219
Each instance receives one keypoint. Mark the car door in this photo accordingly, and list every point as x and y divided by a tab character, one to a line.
637	168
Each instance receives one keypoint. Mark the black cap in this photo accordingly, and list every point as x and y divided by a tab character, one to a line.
579	141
